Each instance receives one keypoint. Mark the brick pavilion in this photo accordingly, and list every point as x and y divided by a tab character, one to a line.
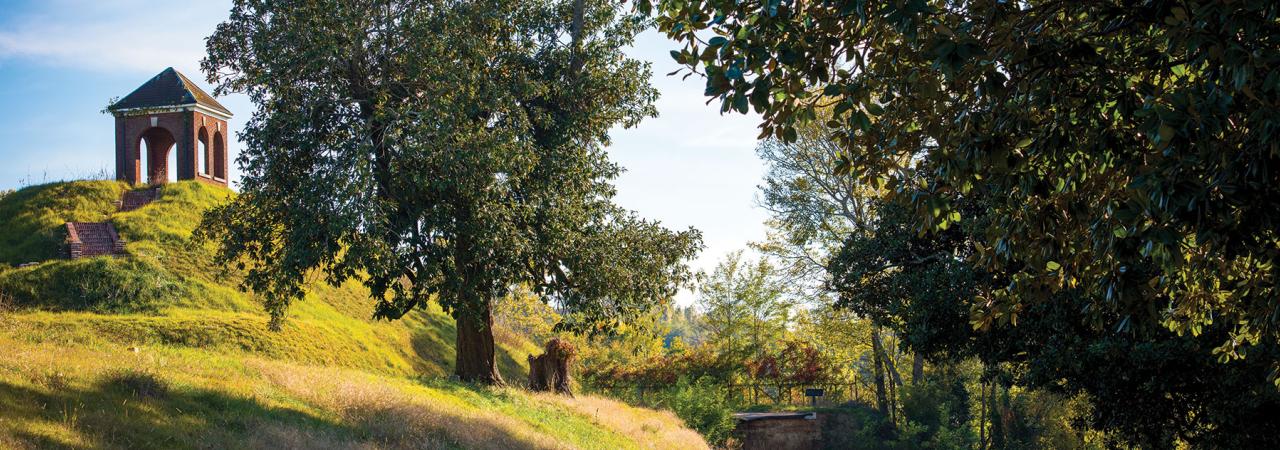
170	111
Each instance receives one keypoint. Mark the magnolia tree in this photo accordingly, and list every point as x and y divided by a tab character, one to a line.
440	151
1129	152
1124	154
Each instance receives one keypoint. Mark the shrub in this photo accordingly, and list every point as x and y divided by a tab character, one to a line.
695	363
857	427
703	406
938	404
796	362
1027	419
51	379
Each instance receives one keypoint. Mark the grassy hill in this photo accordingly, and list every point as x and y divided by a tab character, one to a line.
159	349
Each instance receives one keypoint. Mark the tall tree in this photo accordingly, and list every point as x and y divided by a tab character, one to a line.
745	308
812	211
811	208
440	150
1131	145
1148	386
1127	151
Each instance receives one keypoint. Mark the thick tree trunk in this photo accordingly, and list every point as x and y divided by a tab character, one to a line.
474	361
550	370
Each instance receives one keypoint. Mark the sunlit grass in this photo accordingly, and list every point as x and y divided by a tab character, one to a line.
169	290
71	396
159	349
32	220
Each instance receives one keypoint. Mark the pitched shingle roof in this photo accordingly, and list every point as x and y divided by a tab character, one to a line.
169	88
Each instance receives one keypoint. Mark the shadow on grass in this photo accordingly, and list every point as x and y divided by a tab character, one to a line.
136	410
433	343
436	345
514	373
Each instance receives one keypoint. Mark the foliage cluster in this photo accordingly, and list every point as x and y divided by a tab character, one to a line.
1096	180
795	363
525	315
937	412
441	152
701	363
1161	213
167	291
746	330
702	402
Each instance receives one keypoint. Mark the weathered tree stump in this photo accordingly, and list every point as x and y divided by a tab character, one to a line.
550	370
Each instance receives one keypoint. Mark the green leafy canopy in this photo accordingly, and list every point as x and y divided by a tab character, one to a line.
1128	150
440	150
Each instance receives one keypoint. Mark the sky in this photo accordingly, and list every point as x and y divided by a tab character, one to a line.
61	61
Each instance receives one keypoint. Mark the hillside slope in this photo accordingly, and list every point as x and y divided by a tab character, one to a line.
169	291
87	340
59	396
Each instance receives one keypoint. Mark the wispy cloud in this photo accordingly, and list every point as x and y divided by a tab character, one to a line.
104	36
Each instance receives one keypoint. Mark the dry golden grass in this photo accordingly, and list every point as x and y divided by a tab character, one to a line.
121	397
648	428
8	442
396	418
284	437
191	365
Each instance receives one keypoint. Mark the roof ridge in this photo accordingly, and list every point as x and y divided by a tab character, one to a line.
169	88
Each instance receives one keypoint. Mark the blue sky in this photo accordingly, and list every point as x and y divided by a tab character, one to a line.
62	60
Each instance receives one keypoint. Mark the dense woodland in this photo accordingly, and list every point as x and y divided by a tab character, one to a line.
1036	224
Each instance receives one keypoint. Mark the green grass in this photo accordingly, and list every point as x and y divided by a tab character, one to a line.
169	290
32	220
160	349
179	398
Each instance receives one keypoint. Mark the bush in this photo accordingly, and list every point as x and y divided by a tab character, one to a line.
1022	419
795	363
695	363
940	406
857	427
934	415
703	406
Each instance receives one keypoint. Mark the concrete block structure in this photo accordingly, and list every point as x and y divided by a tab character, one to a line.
166	113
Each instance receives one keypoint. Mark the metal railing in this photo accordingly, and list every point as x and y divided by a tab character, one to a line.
756	393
